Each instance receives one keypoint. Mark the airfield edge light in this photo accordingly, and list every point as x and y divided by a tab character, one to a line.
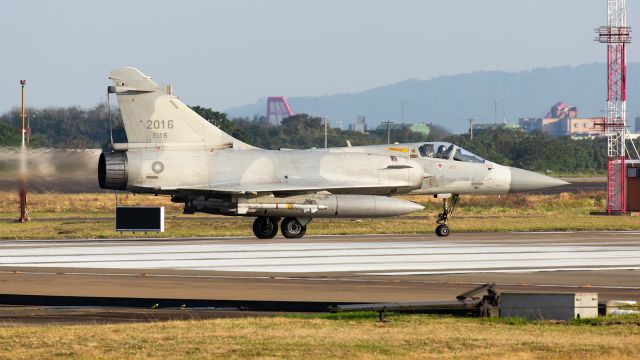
24	215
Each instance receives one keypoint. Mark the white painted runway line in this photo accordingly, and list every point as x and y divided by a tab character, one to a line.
375	257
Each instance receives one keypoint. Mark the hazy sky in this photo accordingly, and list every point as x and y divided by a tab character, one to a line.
223	54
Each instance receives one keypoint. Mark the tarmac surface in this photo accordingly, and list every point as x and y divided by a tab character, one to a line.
579	184
362	268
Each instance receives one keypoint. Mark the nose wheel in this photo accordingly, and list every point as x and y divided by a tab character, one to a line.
442	230
448	205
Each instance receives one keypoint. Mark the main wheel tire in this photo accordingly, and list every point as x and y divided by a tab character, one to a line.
291	228
265	228
442	230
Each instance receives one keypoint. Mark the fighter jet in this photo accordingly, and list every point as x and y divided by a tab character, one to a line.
450	171
171	150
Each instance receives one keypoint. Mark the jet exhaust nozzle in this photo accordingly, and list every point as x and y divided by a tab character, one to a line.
113	170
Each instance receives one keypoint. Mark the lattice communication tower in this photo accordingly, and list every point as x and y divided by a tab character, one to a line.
616	35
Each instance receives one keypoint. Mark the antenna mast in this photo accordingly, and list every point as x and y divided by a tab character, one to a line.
616	35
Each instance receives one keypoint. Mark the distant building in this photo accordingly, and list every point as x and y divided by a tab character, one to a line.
561	110
562	120
360	125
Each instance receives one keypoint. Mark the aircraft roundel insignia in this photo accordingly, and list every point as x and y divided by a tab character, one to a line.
440	165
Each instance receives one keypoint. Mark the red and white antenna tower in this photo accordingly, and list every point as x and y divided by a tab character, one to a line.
616	35
277	109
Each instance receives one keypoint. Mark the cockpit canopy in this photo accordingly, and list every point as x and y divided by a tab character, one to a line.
448	151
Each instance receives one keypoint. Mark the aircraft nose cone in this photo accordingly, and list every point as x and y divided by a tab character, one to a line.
524	180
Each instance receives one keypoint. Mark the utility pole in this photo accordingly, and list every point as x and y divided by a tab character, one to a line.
22	84
325	131
388	123
402	112
495	111
471	121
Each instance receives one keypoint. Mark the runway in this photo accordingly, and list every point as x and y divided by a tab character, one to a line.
325	268
358	255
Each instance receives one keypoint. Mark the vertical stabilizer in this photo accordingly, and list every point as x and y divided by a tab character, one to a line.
153	116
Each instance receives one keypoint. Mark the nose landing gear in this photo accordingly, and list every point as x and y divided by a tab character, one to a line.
448	205
442	230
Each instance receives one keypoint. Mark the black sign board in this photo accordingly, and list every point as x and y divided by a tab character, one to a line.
140	218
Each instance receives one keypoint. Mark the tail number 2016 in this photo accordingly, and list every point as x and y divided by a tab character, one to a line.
159	124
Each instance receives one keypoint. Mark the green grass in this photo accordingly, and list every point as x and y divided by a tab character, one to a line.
514	321
607	321
181	226
356	336
91	216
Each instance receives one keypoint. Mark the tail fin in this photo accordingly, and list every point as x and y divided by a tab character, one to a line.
153	116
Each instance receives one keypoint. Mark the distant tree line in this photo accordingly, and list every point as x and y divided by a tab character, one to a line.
60	127
300	131
537	151
74	127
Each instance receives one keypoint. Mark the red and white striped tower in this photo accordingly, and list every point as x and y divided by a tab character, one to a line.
616	35
277	109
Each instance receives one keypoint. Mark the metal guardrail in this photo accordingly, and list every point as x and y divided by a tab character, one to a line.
465	305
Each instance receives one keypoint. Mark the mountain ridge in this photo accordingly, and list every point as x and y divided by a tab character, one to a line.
449	100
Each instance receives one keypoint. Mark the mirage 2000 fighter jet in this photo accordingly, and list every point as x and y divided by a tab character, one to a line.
173	151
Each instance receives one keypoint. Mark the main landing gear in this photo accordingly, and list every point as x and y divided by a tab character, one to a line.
265	227
292	228
448	205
